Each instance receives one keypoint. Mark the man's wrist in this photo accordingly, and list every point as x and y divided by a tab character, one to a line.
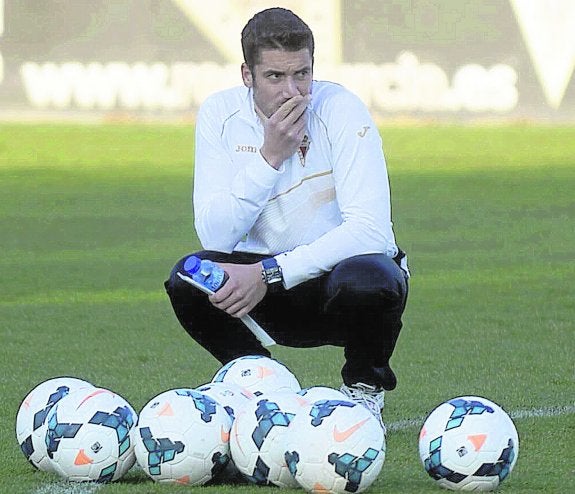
274	163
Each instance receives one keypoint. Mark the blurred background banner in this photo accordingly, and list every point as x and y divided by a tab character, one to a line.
444	60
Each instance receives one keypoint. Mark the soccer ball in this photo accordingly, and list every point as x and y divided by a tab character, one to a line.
316	393
335	446
31	417
89	436
183	437
231	396
233	399
468	443
259	435
258	374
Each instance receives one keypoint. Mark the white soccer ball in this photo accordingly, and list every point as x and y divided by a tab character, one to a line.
231	396
31	417
316	393
89	436
259	437
468	443
335	446
183	437
258	374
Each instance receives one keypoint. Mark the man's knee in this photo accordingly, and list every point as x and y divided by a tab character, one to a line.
177	288
359	279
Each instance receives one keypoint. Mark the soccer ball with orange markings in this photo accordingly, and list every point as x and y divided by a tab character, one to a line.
258	374
31	417
183	437
468	443
335	446
90	436
259	436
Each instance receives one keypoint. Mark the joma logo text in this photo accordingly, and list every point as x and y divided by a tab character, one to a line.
363	131
246	149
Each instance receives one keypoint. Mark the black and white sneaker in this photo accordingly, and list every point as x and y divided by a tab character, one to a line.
367	395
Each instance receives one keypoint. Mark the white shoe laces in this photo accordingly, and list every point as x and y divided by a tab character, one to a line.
368	396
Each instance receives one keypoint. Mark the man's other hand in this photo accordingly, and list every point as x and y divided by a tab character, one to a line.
244	289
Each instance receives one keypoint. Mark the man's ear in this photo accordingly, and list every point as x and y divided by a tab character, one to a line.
247	76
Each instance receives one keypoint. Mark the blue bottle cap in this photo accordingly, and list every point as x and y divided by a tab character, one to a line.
192	264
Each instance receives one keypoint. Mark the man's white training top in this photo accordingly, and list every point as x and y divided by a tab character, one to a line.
316	210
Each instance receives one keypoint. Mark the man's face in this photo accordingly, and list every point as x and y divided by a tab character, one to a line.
279	76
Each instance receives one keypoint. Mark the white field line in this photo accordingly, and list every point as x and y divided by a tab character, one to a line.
545	412
64	487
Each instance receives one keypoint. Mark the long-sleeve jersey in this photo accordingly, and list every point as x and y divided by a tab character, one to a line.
328	202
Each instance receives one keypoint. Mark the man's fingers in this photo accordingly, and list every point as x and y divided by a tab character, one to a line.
297	113
284	110
235	309
221	295
291	110
229	303
293	125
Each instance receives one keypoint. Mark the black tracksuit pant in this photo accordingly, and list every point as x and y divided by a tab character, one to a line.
358	305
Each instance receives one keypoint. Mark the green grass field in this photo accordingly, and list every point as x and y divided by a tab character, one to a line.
93	217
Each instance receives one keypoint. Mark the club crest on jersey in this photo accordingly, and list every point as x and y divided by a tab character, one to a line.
303	148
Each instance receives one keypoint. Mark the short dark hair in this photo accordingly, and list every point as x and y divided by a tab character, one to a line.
275	28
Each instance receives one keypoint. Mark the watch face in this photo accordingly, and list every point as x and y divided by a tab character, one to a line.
272	273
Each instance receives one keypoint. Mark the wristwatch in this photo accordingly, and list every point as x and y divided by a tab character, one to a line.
271	273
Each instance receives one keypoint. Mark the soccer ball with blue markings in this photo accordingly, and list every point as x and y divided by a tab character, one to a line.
335	446
90	436
231	396
258	374
259	435
468	443
182	437
31	417
317	393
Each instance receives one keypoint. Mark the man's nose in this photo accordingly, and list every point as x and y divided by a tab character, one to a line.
291	88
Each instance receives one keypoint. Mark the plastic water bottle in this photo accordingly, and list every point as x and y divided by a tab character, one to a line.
208	277
205	272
